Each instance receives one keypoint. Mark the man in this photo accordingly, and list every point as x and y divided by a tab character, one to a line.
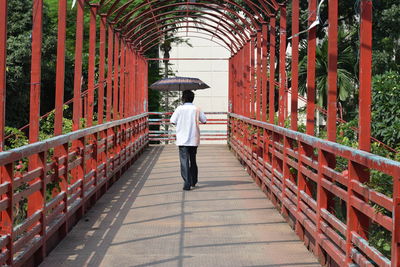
186	118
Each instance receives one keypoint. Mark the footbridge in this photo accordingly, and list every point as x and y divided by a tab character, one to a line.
108	192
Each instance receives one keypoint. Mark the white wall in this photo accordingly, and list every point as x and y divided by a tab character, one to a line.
212	72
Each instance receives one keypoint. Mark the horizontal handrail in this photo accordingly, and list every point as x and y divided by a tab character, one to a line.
34	148
170	134
78	167
298	173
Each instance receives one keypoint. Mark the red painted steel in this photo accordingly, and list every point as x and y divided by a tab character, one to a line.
187	58
92	63
6	216
122	81
3	60
258	77
212	17
41	226
102	64
365	75
151	45
314	218
282	66
36	199
311	62
332	69
162	119
156	35
35	85
264	76
116	85
60	71
295	64
252	85
271	84
109	72
297	171
76	116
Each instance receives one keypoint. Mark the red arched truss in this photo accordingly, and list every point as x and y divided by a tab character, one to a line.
297	170
230	24
189	34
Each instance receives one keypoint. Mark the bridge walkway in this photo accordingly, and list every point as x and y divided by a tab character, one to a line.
146	219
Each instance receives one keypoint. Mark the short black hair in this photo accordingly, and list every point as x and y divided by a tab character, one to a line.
187	96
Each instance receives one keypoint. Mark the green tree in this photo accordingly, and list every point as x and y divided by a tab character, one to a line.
346	73
386	108
19	62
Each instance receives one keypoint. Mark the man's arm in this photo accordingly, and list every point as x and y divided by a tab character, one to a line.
202	117
174	117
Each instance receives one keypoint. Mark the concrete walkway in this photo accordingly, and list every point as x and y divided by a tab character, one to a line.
145	219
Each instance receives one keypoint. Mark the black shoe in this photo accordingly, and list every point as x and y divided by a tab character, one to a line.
193	185
186	188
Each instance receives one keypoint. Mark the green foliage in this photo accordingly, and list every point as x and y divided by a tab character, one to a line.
386	36
346	72
386	108
17	138
19	62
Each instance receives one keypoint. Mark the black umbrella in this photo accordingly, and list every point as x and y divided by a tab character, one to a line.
179	84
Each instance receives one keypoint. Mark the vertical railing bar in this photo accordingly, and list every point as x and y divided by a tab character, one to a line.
295	65
3	66
259	78
116	76
396	220
332	69
282	65
365	75
4	215
109	70
272	71
252	88
78	65
36	199
122	80
311	62
7	218
60	71
102	62
264	75
92	63
136	82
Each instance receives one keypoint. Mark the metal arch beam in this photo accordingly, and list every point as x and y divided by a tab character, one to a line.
226	32
232	46
190	36
155	37
240	33
200	28
144	14
249	3
124	20
151	44
112	7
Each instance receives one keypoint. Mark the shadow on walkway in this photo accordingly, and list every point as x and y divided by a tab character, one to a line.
99	226
146	219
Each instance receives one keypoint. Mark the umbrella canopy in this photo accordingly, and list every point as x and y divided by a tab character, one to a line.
179	84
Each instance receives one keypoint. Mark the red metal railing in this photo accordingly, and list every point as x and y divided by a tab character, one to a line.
297	173
63	185
207	131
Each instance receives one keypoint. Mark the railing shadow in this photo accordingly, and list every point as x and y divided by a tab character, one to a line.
101	224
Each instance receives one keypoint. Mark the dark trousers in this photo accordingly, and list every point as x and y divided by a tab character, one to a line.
187	156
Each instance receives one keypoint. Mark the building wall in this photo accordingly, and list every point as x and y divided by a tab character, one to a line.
212	72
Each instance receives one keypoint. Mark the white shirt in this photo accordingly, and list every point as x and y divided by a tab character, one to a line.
186	118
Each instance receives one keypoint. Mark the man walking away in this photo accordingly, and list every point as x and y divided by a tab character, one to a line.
186	118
